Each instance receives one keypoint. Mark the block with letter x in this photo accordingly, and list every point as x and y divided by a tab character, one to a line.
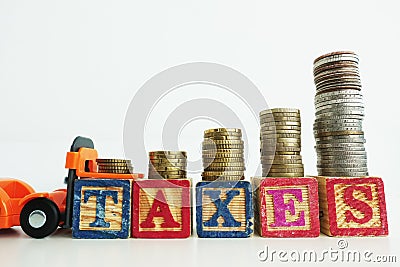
286	207
102	208
161	208
352	206
224	209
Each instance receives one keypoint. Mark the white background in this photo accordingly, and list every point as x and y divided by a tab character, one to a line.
71	68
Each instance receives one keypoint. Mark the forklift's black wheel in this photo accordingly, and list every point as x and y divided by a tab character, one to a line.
39	218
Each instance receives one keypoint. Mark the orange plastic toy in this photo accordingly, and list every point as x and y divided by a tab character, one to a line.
39	214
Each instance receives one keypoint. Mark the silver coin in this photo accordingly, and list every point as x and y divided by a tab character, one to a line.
339	145
349	113
332	127
344	101
335	58
324	97
339	93
327	84
340	121
336	76
336	116
343	174
342	108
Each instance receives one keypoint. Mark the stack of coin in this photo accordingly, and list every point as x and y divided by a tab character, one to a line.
339	115
167	164
223	154
114	165
280	138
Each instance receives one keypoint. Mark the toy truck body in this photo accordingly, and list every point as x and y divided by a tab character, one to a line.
38	213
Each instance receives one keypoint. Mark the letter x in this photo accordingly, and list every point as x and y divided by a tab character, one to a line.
222	208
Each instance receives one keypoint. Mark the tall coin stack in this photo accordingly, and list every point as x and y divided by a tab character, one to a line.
114	166
167	165
223	154
280	139
339	115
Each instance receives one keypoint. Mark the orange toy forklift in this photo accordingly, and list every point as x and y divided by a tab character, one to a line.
39	214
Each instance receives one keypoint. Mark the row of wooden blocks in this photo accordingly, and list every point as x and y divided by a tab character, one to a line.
278	207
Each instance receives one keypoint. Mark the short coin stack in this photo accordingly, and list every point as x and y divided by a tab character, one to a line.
280	138
223	154
167	164
114	165
339	115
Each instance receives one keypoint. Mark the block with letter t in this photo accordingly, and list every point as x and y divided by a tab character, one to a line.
102	208
286	207
352	206
161	208
224	209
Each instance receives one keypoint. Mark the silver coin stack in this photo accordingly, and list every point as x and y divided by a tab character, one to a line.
339	115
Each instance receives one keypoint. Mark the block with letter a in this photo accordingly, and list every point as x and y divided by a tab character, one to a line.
352	206
286	207
161	208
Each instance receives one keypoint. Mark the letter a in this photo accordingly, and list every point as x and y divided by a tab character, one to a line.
160	208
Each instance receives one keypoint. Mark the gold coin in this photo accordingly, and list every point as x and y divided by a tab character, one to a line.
282	162
221	169
114	167
167	152
224	164
223	178
168	157
213	147
168	160
268	153
223	142
208	156
218	135
280	123
278	131
221	173
283	170
167	168
113	160
271	119
218	130
223	137
230	151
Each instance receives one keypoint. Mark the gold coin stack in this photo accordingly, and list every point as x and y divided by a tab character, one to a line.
114	165
223	155
280	138
167	164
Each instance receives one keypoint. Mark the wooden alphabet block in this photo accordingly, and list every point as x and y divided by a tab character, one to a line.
224	209
102	208
161	208
352	206
286	207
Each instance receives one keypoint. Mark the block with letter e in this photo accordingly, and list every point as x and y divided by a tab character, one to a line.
224	209
161	208
286	207
102	208
352	206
